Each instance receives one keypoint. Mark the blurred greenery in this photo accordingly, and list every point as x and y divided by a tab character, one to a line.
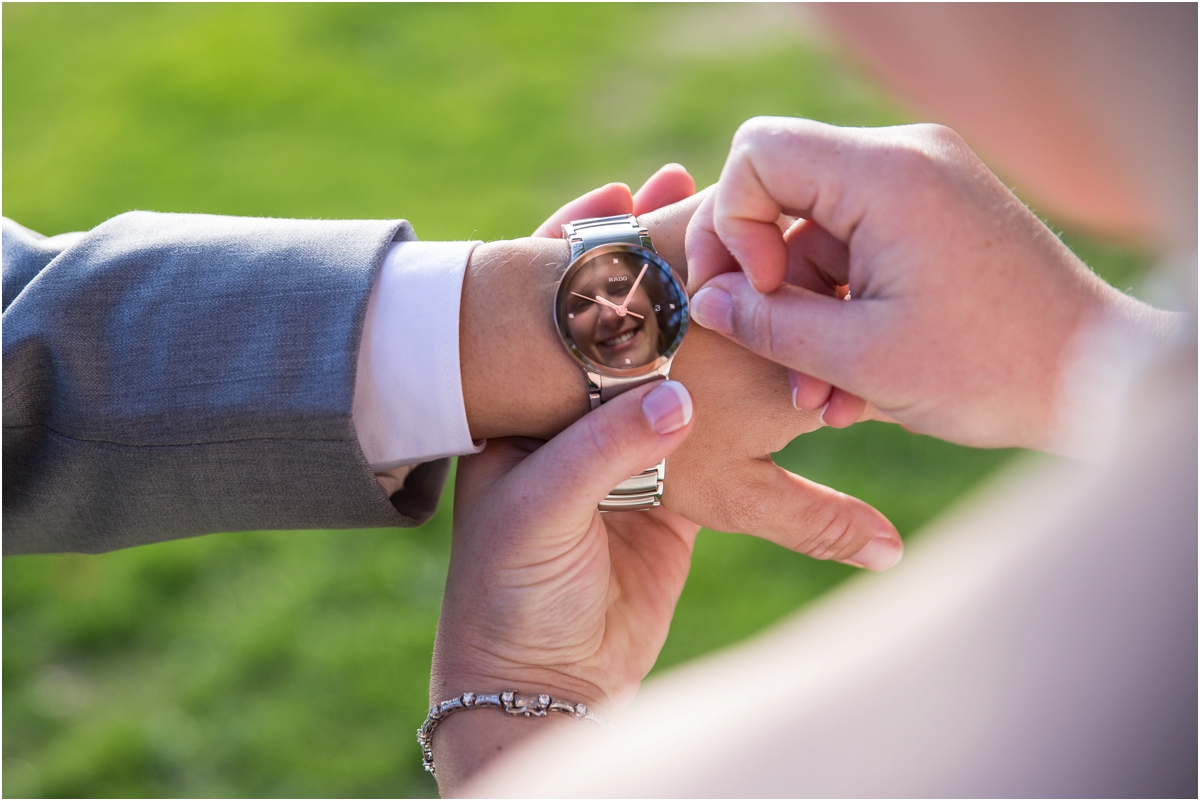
296	663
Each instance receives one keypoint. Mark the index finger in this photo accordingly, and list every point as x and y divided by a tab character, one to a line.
782	165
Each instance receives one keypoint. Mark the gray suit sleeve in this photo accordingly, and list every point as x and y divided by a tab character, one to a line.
169	375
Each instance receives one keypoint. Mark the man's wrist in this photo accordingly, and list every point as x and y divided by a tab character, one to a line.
517	378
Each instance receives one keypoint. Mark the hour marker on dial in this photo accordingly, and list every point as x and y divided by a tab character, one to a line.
627	361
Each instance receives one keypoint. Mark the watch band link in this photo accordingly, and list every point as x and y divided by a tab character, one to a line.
644	490
624	229
637	493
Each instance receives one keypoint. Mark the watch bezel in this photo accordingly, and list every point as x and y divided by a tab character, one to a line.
603	369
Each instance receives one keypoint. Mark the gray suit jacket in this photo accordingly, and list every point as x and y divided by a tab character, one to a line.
168	375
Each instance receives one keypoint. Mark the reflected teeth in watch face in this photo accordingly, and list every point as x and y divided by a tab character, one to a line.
619	339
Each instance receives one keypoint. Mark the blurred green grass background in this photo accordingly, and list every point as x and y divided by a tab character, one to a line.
296	663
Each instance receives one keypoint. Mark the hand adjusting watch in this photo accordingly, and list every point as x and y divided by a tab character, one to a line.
621	312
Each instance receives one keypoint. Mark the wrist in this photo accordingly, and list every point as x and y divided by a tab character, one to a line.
467	742
462	745
468	669
527	682
517	378
1113	343
467	659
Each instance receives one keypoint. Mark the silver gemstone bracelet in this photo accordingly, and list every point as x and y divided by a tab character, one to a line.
512	704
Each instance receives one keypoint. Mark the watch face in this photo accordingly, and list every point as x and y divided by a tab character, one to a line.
621	310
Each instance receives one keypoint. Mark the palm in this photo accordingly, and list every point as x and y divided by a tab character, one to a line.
591	596
649	556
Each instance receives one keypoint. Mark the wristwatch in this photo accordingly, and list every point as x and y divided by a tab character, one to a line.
621	312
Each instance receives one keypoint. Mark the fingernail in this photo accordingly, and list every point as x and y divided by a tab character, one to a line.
823	408
880	553
668	407
795	388
713	308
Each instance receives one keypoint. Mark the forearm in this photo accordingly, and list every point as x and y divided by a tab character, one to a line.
169	375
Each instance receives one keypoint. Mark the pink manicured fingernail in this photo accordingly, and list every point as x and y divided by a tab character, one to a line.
880	553
668	407
713	308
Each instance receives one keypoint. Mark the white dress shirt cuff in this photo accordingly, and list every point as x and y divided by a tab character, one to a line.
408	399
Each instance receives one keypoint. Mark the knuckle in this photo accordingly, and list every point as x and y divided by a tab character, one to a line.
758	326
750	130
762	131
828	531
929	148
941	135
835	537
919	150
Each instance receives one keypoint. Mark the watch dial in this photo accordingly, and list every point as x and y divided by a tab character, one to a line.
622	308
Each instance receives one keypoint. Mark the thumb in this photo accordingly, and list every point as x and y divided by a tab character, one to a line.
822	336
579	467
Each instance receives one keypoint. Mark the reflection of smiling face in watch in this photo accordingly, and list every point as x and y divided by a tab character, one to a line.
600	291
